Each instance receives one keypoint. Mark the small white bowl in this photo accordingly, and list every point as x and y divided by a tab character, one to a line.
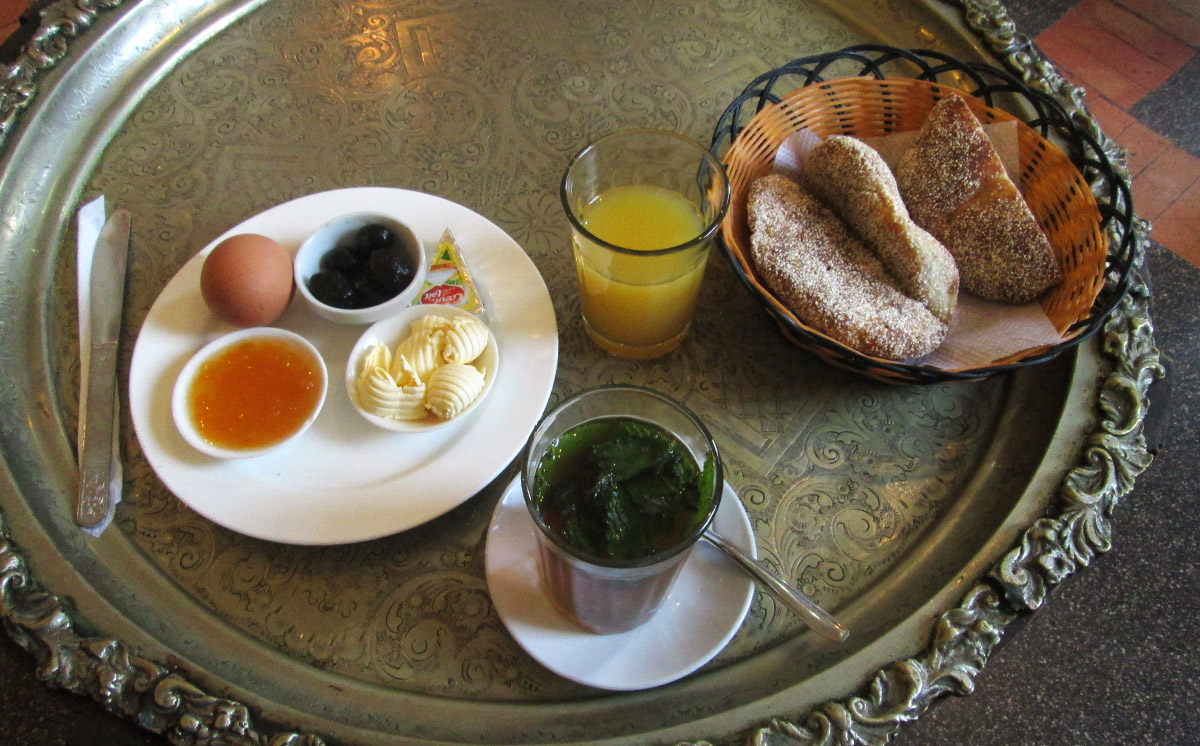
183	384
326	238
393	329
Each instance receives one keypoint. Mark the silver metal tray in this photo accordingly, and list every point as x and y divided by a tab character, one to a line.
930	518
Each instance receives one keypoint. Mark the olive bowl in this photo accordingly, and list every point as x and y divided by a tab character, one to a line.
313	256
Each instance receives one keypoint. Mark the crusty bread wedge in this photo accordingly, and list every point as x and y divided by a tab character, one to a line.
955	187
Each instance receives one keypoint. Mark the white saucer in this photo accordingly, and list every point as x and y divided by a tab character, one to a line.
699	617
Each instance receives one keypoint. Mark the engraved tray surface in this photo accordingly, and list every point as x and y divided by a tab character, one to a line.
927	518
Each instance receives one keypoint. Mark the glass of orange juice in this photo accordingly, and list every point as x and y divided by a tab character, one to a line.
644	206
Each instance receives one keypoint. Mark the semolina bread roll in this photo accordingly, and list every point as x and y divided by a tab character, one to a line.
956	188
852	178
815	265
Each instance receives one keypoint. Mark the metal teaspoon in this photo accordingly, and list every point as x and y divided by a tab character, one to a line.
814	616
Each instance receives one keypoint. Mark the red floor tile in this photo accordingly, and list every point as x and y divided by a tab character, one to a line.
1080	65
1179	226
1162	185
1144	145
10	11
1114	50
1113	120
1166	16
1178	229
1136	31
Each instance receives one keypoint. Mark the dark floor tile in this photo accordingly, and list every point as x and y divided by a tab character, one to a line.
1035	16
42	716
1083	66
1176	318
1174	108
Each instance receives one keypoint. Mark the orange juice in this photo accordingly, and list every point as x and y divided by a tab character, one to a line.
640	304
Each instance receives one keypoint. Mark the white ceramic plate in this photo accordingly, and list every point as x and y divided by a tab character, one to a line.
346	480
699	617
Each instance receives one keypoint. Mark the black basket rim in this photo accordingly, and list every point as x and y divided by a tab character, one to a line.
1113	200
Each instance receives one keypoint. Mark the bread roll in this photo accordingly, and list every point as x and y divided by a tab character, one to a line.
956	188
815	266
852	178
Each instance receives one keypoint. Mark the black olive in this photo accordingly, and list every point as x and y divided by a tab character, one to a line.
369	292
333	288
359	253
340	258
391	270
372	237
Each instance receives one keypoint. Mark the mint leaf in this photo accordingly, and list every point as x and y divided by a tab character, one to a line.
621	488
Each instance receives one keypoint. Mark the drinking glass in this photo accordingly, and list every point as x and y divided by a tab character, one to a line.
606	595
644	206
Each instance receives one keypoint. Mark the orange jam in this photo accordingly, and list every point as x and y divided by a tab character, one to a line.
254	393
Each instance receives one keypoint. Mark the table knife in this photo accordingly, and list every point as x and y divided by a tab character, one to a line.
100	424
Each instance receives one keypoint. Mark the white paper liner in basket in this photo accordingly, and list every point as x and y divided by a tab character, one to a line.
982	331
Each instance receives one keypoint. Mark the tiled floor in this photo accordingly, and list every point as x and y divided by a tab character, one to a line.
1138	61
1125	53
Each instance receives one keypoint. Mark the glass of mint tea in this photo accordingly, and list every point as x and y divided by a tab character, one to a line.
621	481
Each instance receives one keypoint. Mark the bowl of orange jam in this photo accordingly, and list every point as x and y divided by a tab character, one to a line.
249	392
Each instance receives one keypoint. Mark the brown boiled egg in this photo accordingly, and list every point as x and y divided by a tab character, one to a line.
247	280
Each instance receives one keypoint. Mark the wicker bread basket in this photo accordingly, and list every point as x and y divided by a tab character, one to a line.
1088	232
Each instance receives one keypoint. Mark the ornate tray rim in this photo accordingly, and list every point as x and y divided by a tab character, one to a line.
1065	540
